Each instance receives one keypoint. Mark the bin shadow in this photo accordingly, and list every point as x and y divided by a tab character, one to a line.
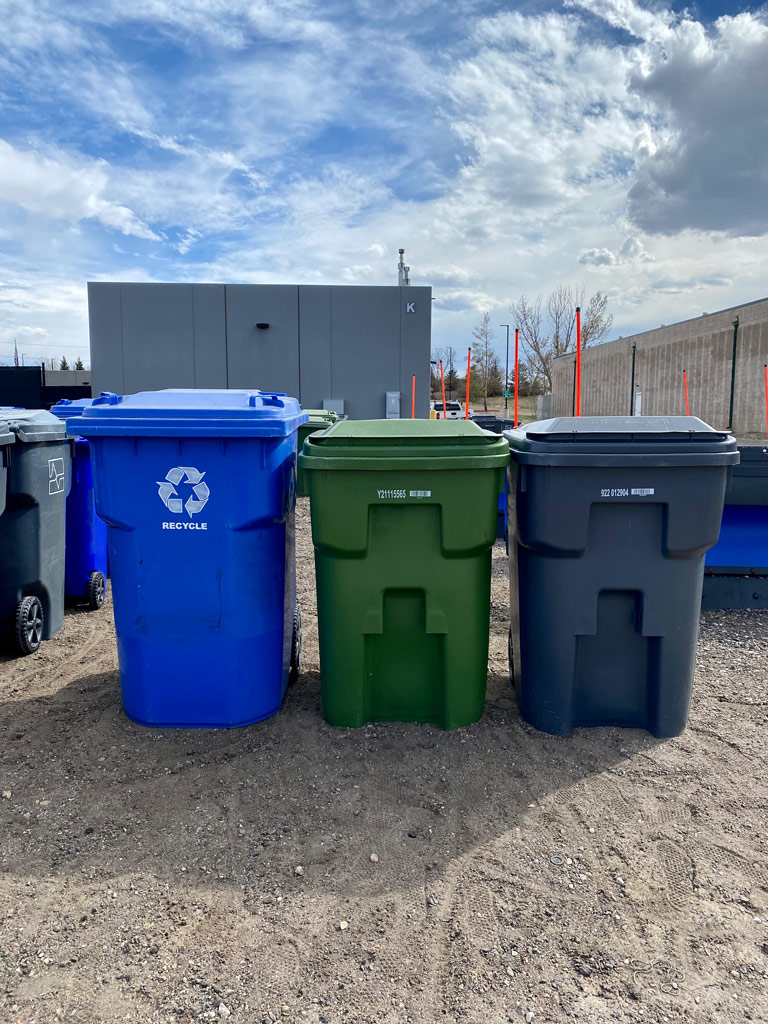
98	792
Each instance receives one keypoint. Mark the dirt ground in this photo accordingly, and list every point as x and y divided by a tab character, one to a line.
171	876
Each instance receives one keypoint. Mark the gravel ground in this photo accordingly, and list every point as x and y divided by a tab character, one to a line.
290	871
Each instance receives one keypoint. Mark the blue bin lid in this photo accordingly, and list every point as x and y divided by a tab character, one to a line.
191	412
68	407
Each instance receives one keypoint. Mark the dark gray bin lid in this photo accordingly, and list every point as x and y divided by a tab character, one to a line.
621	440
6	437
35	425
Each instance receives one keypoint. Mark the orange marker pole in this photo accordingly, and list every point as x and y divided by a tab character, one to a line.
685	385
413	397
469	364
517	369
765	371
578	360
442	388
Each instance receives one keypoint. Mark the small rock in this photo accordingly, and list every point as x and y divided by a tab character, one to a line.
584	969
431	900
343	925
6	794
619	880
284	1008
224	1011
374	858
298	870
529	1017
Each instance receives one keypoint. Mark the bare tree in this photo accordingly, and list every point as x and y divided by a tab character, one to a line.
548	329
483	355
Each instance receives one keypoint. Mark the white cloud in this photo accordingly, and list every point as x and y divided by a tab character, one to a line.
631	251
62	188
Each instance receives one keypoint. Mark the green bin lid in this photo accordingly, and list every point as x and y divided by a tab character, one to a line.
404	444
35	425
320	417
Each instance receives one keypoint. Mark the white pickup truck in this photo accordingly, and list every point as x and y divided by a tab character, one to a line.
454	410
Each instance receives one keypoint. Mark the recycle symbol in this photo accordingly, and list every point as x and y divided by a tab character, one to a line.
170	497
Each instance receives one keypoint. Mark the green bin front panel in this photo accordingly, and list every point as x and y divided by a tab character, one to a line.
403	592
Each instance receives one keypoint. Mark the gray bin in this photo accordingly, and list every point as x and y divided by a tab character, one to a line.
38	477
609	519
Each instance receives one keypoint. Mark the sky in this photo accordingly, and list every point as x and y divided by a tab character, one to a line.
509	148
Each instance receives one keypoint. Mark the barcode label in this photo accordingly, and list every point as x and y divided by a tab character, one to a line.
642	491
420	494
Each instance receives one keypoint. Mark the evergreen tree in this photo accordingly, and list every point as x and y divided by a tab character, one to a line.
79	364
63	365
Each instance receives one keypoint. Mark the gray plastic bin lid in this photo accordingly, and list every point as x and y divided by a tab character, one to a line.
6	437
613	440
35	425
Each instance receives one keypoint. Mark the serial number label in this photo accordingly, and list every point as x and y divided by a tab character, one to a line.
391	494
624	492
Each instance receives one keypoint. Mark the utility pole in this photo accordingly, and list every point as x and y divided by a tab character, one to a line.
506	372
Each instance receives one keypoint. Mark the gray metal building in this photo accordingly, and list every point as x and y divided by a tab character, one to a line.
723	354
321	344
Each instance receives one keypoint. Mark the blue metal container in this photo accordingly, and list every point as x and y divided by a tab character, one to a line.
86	555
198	492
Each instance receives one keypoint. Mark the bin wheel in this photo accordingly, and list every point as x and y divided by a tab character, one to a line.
29	625
295	671
97	589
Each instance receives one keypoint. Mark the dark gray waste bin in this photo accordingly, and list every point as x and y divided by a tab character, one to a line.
32	528
609	520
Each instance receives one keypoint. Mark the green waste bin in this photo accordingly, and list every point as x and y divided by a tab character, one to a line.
319	419
403	521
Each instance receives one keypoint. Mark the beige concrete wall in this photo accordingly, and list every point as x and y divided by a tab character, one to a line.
703	347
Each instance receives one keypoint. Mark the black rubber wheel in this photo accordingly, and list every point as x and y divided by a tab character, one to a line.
97	590
295	671
29	625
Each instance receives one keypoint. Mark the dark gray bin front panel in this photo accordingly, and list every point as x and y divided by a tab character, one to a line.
605	591
268	358
32	531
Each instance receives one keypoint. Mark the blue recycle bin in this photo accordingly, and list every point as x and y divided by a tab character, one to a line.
736	574
85	573
198	492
